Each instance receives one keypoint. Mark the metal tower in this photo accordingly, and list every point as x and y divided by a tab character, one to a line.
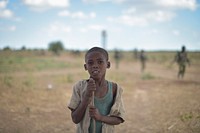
104	38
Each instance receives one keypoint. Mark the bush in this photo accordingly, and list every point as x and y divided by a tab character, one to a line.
56	47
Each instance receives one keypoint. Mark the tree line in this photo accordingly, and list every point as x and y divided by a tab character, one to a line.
56	47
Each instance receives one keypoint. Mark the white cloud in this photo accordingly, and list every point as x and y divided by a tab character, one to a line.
3	4
95	1
173	4
64	13
57	28
95	27
144	12
153	4
132	18
100	1
40	5
6	13
92	15
77	15
178	4
129	11
160	16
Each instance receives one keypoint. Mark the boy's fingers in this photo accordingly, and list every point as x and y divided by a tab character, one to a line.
91	79
91	83
92	107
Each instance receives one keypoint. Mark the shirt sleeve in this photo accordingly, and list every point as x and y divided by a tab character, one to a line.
118	106
75	98
116	110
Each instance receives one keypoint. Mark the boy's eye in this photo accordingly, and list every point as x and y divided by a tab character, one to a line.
90	63
100	62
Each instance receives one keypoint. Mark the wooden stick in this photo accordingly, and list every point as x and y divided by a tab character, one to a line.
93	120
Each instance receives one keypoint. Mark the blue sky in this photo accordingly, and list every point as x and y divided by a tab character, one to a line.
129	24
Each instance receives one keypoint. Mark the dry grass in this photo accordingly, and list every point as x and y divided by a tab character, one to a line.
156	101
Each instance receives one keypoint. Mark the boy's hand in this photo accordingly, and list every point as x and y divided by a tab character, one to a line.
91	86
94	113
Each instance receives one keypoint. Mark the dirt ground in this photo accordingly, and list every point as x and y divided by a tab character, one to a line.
155	100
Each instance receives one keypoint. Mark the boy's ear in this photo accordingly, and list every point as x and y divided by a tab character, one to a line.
85	67
108	64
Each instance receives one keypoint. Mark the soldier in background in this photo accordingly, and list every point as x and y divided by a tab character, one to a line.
135	53
117	57
143	59
182	60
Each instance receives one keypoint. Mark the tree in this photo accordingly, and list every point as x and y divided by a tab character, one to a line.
7	48
23	48
56	47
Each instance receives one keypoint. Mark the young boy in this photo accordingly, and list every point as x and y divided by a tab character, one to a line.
108	109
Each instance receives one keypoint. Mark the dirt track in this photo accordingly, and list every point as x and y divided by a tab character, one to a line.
159	104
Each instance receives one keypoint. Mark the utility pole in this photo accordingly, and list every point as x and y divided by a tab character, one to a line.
104	38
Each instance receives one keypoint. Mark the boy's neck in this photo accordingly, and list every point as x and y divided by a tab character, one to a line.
101	88
100	83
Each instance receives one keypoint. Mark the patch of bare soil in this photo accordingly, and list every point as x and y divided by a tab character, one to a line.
159	103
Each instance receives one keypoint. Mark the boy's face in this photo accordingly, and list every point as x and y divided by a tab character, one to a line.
96	65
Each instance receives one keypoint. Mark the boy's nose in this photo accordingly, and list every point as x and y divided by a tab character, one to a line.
95	65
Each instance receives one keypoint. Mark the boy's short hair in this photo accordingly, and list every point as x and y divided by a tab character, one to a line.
103	51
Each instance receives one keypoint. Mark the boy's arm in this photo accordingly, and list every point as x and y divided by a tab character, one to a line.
78	113
111	120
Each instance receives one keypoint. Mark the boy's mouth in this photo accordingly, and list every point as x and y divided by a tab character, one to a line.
95	72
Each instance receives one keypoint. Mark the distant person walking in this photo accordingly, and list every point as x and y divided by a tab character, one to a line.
182	60
117	56
135	54
143	59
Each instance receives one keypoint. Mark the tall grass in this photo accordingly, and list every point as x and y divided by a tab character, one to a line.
18	63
